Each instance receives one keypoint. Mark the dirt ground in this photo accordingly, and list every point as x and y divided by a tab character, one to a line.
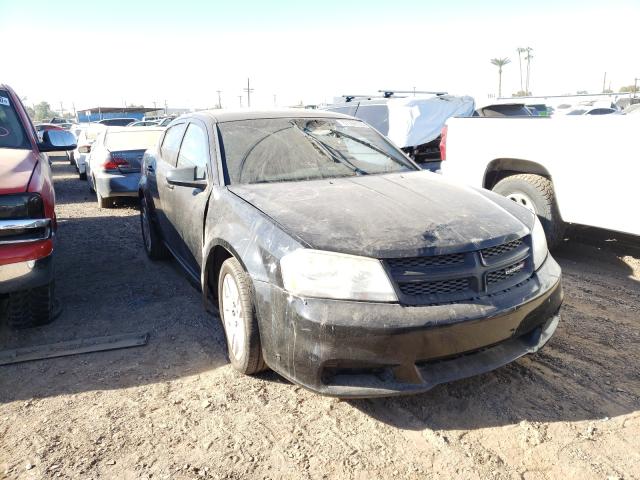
176	409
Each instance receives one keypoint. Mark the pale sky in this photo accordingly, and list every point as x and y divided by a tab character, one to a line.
106	53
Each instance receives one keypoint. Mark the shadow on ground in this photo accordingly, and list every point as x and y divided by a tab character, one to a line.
108	286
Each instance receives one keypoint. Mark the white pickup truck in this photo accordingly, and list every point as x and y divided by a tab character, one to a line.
577	169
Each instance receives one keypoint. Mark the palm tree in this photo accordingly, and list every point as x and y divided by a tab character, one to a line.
500	62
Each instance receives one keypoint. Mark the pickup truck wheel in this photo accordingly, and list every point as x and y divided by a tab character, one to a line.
71	157
82	176
151	239
31	308
238	315
535	193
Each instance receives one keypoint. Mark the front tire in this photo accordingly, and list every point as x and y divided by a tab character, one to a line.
238	316
537	194
151	239
31	308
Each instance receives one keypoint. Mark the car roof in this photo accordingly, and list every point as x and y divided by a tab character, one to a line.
222	115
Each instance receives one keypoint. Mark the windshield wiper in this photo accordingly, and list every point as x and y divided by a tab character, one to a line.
329	150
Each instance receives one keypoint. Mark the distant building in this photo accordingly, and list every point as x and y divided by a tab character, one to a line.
101	113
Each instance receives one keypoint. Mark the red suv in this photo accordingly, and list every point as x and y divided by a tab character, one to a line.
27	216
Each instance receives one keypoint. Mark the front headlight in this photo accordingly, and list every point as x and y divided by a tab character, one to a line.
539	244
316	273
23	205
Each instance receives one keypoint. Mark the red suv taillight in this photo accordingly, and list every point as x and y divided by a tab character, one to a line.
114	162
443	143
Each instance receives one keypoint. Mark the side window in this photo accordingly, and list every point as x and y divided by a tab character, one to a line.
171	143
194	151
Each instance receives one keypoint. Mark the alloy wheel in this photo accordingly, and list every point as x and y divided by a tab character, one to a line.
232	316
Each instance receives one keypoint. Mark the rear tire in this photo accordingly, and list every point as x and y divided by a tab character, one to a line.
71	157
31	308
238	318
151	238
82	176
535	193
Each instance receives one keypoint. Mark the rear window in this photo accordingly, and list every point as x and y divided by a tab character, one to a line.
505	111
601	111
133	140
118	122
12	135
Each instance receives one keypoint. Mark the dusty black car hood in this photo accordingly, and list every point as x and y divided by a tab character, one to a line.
414	213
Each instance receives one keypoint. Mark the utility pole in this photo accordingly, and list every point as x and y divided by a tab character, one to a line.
248	90
635	86
61	109
414	91
240	98
604	82
219	101
528	59
165	107
520	51
75	114
274	100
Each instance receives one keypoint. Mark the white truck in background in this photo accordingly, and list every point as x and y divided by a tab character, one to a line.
574	169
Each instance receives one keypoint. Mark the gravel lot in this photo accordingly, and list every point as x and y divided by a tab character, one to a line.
175	408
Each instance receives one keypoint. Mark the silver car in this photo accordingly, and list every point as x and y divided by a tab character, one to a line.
113	169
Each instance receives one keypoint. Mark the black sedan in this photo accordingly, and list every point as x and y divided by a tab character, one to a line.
335	261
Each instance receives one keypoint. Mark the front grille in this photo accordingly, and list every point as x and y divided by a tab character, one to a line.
435	288
24	230
501	249
460	277
503	274
418	262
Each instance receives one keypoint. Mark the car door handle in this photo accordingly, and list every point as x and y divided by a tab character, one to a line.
168	185
150	168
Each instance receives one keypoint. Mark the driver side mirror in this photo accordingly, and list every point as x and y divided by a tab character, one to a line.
84	148
57	141
186	177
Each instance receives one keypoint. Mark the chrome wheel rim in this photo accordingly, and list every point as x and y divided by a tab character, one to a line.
146	228
232	316
524	200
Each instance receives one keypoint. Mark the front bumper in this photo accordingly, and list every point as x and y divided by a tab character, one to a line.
359	349
117	184
15	277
